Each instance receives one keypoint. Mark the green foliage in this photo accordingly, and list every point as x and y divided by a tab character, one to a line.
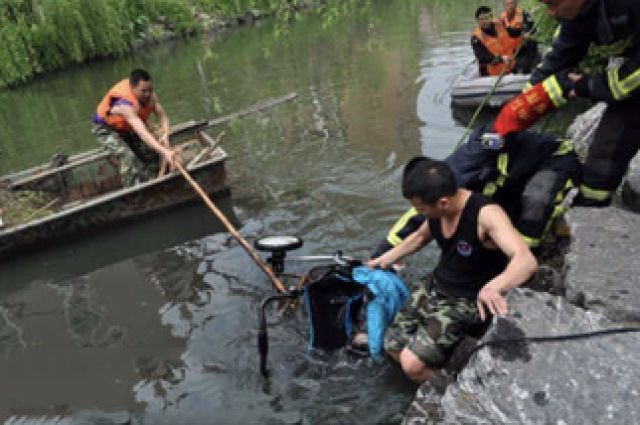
546	26
43	35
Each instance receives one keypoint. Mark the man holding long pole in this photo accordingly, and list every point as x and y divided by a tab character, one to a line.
121	127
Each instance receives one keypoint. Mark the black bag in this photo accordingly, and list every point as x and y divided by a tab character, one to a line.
333	301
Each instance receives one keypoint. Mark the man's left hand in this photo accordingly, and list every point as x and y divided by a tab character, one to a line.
492	300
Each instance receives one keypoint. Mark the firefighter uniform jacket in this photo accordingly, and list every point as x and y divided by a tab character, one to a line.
613	27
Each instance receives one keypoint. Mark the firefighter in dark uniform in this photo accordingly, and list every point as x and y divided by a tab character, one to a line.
614	27
528	177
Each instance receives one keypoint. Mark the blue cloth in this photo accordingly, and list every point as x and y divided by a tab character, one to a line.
390	295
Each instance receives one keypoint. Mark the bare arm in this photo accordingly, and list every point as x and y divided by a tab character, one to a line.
495	223
164	121
141	130
411	244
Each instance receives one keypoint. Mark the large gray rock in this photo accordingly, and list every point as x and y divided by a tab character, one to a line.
602	268
589	381
630	189
583	129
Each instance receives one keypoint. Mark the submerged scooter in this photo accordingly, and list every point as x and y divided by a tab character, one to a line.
334	300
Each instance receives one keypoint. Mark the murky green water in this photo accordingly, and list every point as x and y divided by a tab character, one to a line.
159	318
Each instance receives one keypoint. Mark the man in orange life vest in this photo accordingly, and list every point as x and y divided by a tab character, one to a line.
491	44
519	25
121	127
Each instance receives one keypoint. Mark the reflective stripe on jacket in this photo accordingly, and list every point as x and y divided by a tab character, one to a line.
613	28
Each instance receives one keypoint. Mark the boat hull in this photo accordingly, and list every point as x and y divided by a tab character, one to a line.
470	90
115	207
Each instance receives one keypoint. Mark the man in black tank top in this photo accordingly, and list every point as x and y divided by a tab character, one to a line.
482	258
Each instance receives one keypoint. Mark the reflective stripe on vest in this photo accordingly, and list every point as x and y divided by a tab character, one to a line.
122	90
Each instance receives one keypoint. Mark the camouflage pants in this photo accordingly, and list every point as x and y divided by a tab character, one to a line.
134	166
431	324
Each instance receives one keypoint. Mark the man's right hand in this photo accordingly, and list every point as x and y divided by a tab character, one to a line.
491	302
376	263
171	156
507	60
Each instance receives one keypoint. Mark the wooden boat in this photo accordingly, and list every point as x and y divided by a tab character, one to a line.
85	194
469	89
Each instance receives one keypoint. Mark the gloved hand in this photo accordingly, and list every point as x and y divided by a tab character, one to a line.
581	85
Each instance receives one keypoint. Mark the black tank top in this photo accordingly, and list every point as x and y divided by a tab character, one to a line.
465	265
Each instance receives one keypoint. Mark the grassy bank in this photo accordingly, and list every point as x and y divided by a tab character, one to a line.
39	36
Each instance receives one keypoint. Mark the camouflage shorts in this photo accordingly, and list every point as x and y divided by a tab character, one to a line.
133	169
431	324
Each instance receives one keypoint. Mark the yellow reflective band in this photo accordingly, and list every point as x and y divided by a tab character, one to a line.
553	89
531	242
566	146
561	193
558	209
630	83
527	87
503	164
594	194
614	83
393	237
490	189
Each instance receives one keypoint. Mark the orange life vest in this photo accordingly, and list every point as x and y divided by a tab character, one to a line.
517	22
498	46
122	90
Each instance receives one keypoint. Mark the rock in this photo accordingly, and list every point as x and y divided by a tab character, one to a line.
594	380
602	269
630	190
583	128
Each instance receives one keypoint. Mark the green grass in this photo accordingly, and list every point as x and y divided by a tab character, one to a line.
39	36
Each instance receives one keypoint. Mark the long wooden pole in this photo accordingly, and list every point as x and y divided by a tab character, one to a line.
277	283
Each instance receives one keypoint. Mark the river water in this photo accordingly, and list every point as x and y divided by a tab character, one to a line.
156	322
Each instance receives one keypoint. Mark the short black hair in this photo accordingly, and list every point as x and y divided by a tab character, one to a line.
482	10
138	75
428	179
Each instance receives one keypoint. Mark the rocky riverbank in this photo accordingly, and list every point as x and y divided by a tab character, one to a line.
594	286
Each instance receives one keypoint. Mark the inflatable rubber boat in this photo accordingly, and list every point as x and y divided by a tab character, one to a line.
469	89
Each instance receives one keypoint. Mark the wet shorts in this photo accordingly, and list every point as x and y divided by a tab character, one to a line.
431	324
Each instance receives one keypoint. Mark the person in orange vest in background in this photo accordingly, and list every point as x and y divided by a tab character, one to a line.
121	127
519	25
491	44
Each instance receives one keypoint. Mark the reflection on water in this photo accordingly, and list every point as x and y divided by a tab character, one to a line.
156	323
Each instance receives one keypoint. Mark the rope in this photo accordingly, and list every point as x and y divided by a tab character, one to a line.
473	119
555	338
